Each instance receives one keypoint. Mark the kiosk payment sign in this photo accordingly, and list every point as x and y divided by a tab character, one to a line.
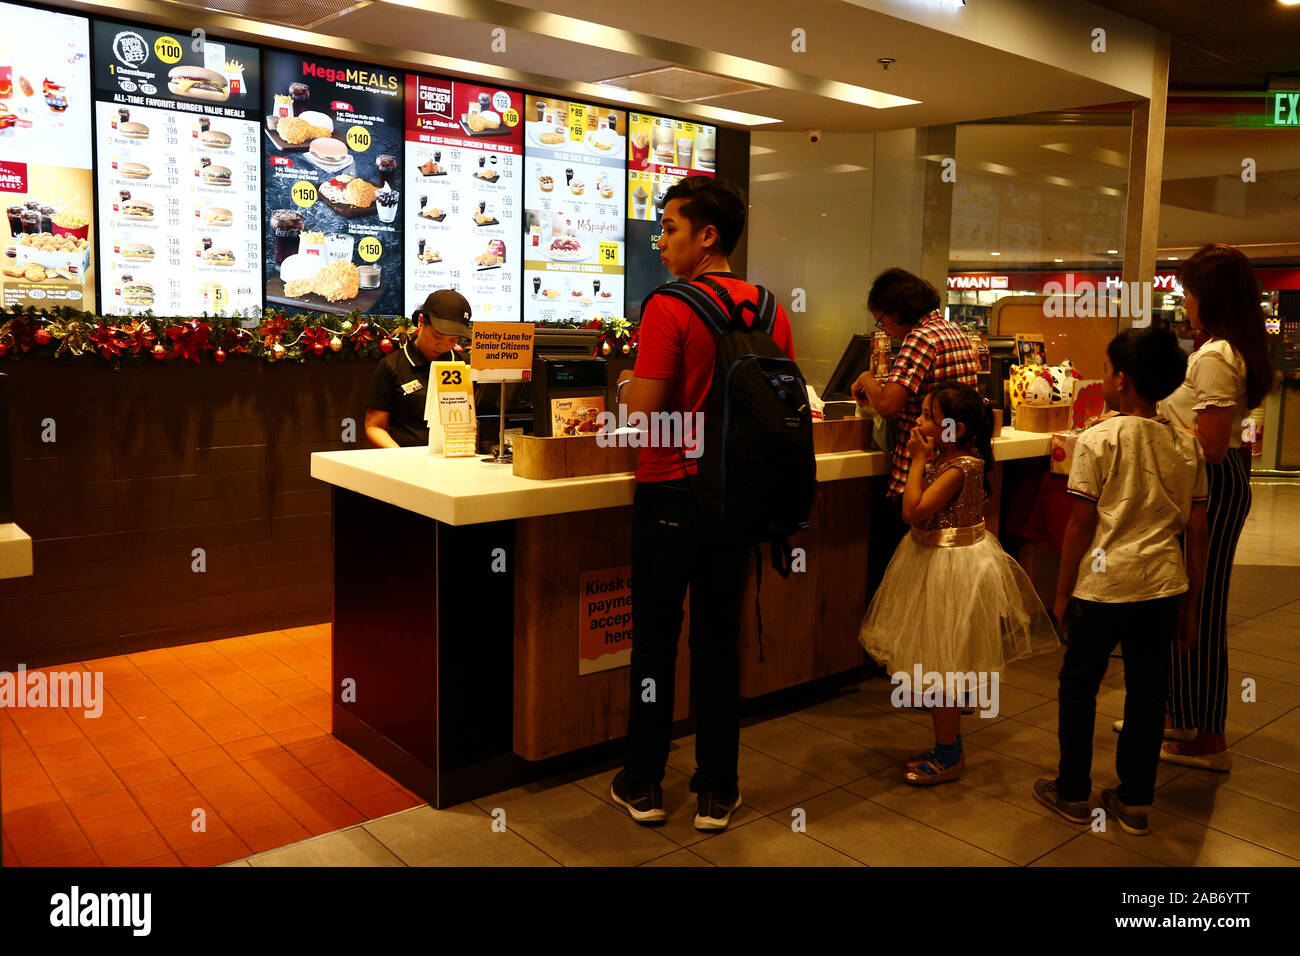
604	619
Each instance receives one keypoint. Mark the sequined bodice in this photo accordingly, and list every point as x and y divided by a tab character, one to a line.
964	509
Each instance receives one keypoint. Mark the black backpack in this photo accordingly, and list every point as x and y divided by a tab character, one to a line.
756	472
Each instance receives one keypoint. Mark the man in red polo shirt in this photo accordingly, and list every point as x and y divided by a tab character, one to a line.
675	545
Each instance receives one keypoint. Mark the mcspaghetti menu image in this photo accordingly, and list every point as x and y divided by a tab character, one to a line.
464	189
179	172
45	180
574	188
334	189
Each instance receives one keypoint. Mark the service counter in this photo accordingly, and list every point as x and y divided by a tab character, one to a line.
459	589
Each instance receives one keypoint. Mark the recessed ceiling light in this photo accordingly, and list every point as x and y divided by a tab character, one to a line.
995	253
1112	252
1289	3
1175	258
1058	260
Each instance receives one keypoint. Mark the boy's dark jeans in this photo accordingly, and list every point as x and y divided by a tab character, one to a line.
1144	631
673	547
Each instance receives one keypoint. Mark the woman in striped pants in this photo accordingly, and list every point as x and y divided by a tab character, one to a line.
1228	376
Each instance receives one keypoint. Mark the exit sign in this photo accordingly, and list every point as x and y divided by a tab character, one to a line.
1284	109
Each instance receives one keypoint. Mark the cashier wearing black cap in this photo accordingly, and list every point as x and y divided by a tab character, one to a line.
395	403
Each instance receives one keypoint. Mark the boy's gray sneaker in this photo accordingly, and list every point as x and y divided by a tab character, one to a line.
1076	811
1131	819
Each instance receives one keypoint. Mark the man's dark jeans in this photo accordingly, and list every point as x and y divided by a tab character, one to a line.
1144	631
674	546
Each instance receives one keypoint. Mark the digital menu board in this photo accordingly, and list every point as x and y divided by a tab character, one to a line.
663	150
45	179
179	172
334	184
464	191
574	195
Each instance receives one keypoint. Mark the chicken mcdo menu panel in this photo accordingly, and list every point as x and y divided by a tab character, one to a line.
574	196
334	137
179	172
464	189
45	179
662	151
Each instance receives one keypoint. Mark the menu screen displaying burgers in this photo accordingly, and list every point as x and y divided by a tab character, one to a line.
574	195
334	186
464	189
45	180
662	151
179	172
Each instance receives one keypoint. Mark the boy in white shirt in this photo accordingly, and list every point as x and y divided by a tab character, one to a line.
1138	482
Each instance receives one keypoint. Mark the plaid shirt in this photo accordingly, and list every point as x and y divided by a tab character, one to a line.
934	351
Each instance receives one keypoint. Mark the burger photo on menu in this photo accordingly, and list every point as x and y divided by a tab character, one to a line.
214	139
216	216
198	83
214	175
131	130
133	171
137	209
136	252
136	294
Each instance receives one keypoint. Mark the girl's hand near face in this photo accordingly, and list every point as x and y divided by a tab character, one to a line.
918	446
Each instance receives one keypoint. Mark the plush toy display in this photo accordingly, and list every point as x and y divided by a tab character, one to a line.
1038	385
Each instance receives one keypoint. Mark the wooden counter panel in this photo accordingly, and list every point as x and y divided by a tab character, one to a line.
811	619
556	709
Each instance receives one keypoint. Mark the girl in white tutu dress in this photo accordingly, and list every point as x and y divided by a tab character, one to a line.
952	603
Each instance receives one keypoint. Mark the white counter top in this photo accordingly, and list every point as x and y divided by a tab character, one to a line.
468	491
15	552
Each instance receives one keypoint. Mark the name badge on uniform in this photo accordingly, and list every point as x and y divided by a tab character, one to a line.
411	387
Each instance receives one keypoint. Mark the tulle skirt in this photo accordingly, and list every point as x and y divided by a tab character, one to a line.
957	610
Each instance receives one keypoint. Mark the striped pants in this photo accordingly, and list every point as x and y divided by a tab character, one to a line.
1198	679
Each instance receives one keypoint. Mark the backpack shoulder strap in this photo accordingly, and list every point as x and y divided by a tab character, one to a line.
701	303
764	310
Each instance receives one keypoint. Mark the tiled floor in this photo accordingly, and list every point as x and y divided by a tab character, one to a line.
238	729
835	767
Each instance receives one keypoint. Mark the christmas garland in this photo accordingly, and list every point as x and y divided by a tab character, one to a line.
67	334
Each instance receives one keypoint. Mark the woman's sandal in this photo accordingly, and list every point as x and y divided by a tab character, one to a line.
916	760
930	773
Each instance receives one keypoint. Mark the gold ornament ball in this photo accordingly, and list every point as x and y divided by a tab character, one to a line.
347	326
626	348
277	350
604	348
336	343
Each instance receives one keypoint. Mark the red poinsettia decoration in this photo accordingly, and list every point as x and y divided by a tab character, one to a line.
238	341
17	333
190	340
361	336
138	337
105	341
273	330
311	337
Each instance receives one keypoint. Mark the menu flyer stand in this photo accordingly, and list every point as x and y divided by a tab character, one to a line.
502	352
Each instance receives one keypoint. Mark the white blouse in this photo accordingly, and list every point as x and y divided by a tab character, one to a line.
1216	375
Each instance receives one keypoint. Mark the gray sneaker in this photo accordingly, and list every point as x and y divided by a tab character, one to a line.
644	803
715	808
1076	811
1131	819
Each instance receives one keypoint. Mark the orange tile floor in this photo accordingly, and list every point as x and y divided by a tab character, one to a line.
238	728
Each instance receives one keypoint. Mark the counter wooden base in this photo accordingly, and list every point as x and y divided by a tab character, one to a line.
455	648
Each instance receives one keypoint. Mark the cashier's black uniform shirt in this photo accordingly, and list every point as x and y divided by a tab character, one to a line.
400	387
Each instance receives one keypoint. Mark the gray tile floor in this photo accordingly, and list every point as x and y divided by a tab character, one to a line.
823	786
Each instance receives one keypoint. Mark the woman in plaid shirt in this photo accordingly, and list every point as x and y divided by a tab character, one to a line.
934	350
